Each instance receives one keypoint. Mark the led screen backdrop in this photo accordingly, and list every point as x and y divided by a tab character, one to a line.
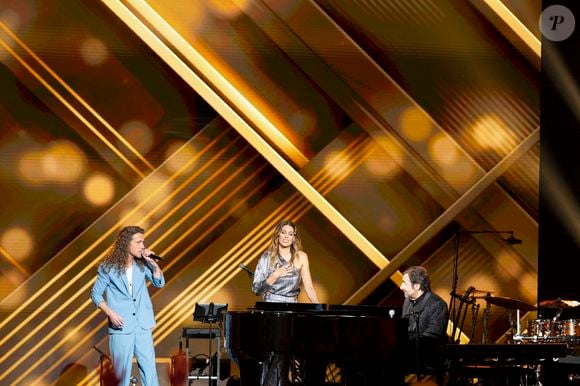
393	133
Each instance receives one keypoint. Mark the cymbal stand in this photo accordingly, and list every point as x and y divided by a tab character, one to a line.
453	313
485	332
515	326
474	314
459	315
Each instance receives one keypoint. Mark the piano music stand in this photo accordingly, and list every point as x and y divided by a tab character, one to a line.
209	313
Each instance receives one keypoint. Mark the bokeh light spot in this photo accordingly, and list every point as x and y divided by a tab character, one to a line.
63	162
226	9
415	124
380	164
99	189
336	164
10	18
94	52
180	156
17	242
443	150
138	134
392	149
491	133
29	167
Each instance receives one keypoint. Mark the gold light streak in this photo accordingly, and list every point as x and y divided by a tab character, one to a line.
85	104
192	194
169	323
14	262
262	146
233	95
294	207
174	308
503	12
216	157
286	170
448	215
71	108
86	287
359	151
52	299
175	313
87	303
206	199
135	209
46	337
210	284
247	247
245	250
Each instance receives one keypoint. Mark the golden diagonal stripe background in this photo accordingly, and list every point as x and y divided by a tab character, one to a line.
243	163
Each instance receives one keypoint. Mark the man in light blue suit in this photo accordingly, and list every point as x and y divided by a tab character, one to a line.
120	291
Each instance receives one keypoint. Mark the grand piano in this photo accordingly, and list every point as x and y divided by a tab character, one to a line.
359	342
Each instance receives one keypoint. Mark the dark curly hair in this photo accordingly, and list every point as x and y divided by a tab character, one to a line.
273	249
419	275
116	257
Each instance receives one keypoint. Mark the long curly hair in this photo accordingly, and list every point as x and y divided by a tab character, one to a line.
116	257
273	249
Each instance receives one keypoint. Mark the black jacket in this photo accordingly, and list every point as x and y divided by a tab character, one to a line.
428	317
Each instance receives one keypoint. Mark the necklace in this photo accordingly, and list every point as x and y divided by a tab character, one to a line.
285	258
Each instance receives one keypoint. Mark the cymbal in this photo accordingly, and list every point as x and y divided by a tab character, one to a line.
477	294
510	303
559	303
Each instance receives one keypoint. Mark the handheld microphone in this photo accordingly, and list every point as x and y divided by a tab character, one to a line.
248	270
155	257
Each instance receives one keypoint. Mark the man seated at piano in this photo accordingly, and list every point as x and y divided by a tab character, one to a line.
428	318
280	271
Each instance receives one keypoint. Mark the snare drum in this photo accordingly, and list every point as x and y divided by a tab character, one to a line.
543	328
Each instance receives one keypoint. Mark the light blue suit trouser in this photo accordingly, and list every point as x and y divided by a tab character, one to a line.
139	344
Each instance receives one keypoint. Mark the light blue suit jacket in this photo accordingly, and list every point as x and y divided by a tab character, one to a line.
136	310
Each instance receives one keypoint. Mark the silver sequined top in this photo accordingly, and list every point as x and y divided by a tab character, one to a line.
284	290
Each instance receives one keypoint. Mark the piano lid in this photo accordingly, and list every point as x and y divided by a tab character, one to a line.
298	307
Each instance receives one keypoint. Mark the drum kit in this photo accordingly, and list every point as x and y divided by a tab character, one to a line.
542	330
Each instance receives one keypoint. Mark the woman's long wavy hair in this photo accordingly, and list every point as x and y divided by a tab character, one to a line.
273	249
116	257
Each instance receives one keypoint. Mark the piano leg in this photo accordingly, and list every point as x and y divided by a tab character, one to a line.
276	370
250	370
